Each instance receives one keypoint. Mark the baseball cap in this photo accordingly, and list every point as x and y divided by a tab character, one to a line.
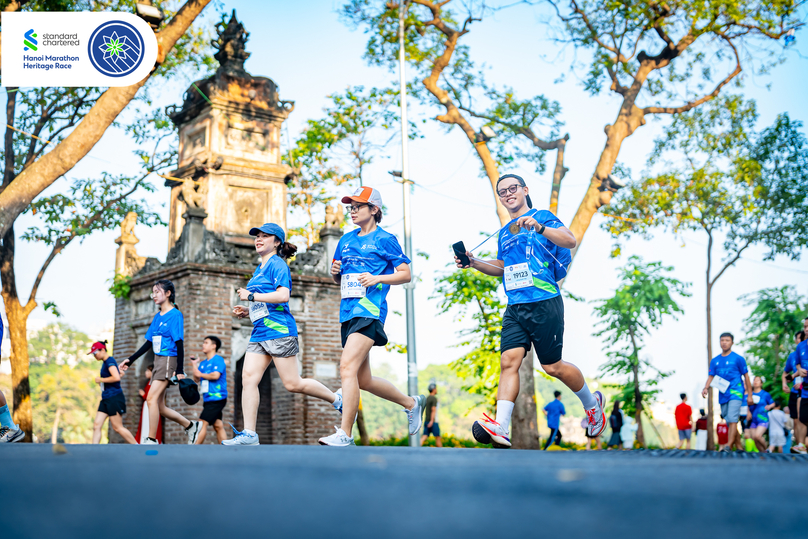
189	391
98	345
269	228
368	195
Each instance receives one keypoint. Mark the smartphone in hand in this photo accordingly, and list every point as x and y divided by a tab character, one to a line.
460	253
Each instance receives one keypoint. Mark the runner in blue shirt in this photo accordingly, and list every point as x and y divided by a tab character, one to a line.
165	338
802	371
532	256
211	375
762	402
368	260
553	411
274	334
9	431
113	402
728	372
789	375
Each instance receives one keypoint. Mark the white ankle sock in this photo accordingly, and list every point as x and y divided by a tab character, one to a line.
587	398
337	401
504	411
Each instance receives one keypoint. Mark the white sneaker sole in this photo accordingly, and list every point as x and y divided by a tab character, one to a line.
501	440
16	437
322	441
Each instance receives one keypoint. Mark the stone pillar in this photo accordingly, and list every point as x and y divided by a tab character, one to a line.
193	233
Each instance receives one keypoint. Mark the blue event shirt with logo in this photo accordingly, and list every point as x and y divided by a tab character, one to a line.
512	249
168	326
758	410
265	280
217	389
110	388
731	368
802	361
791	366
377	253
555	410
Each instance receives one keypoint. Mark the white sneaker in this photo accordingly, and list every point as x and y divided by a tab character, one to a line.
149	441
242	438
338	439
495	432
337	404
192	431
414	415
798	449
9	436
596	417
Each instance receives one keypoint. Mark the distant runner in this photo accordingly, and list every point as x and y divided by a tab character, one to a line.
113	402
729	374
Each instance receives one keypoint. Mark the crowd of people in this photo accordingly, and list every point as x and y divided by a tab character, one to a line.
533	253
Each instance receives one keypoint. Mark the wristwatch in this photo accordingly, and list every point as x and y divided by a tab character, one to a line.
541	230
251	297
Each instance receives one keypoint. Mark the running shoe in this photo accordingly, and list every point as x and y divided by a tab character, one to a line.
414	415
480	434
9	436
799	449
496	434
596	417
338	403
241	438
338	439
149	441
192	431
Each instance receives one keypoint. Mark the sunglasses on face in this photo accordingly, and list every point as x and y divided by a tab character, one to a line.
511	189
353	209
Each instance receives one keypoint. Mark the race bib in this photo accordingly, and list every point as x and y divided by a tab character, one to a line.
157	344
258	310
350	286
744	410
517	276
756	398
798	382
720	384
205	386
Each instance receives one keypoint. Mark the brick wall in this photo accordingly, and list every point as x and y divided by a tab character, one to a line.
205	295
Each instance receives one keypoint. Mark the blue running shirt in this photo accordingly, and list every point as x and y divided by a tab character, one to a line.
791	366
802	361
555	409
759	412
731	368
164	332
278	321
377	253
216	389
544	272
110	388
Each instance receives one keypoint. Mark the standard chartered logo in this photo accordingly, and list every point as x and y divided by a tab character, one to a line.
30	41
116	48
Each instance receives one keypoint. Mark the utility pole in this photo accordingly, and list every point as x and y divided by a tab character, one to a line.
412	364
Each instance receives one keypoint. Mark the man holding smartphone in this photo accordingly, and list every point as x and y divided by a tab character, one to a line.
532	255
212	376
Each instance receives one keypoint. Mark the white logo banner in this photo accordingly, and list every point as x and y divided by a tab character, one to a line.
76	49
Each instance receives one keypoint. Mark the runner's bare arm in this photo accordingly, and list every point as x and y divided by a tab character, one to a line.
402	275
494	268
560	236
706	386
336	267
280	295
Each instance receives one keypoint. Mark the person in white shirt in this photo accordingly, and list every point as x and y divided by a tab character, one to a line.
777	432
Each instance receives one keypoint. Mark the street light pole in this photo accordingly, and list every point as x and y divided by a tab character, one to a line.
412	365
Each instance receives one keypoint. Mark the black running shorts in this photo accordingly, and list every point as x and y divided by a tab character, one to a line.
793	409
212	410
369	327
540	323
804	411
113	405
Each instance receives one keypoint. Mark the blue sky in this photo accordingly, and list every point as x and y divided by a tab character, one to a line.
304	48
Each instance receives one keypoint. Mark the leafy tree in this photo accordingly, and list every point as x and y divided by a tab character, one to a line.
644	296
664	59
89	205
770	327
725	179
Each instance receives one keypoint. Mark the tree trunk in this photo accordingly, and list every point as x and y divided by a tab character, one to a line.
360	426
635	372
640	436
710	413
525	433
55	429
558	174
18	327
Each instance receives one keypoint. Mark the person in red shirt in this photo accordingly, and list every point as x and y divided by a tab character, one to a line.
684	422
723	433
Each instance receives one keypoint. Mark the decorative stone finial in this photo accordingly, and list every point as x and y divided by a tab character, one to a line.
231	47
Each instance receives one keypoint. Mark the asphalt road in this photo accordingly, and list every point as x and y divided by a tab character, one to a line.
113	491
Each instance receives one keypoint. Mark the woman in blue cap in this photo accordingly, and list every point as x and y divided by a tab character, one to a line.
367	262
274	334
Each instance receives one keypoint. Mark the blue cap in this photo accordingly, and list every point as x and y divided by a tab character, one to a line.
270	228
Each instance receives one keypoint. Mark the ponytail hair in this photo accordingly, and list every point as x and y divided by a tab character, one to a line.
378	215
286	250
168	287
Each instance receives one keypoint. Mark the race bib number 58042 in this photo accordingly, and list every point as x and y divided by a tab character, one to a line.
351	287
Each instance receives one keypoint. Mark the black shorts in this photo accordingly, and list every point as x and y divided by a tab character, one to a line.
793	410
114	405
804	411
540	323
433	430
369	327
212	410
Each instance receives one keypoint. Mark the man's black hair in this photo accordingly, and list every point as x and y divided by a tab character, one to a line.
556	393
215	340
727	334
682	395
800	334
521	182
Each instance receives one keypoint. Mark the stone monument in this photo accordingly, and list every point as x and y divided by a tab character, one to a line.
229	179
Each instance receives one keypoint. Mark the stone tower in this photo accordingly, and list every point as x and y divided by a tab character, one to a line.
229	179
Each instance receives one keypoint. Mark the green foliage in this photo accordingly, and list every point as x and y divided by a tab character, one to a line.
51	307
645	295
120	286
59	344
462	291
449	440
770	327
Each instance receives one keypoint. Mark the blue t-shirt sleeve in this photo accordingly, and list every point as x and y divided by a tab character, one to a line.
789	367
176	327
563	410
391	251
742	368
769	399
711	372
549	220
282	276
150	331
218	364
338	252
